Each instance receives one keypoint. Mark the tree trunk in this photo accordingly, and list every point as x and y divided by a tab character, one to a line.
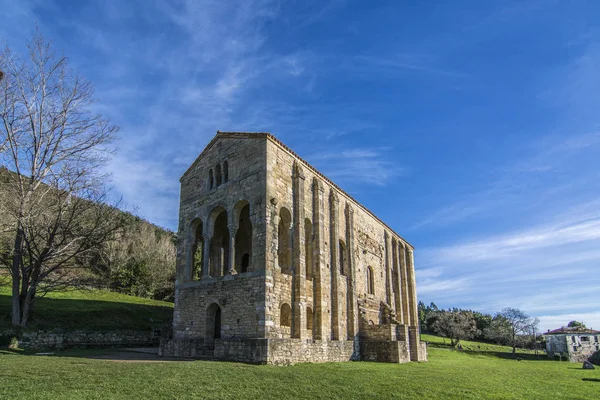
514	342
26	306
16	278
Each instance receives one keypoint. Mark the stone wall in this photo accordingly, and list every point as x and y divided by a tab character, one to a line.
252	351
200	204
240	298
384	351
292	351
378	332
185	348
346	241
59	340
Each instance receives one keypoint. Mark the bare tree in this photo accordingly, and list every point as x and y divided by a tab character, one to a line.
509	325
56	202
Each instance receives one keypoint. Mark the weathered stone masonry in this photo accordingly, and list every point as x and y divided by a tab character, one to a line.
276	264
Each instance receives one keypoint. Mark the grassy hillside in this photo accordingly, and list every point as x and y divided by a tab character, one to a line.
94	310
449	374
470	346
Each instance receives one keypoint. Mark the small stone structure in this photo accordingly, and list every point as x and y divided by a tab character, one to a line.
276	264
578	342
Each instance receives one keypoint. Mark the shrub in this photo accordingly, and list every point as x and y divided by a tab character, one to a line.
14	343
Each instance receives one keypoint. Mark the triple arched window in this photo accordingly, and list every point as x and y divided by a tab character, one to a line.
220	176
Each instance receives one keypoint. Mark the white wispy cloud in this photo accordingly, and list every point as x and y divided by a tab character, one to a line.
527	182
519	243
545	269
550	322
453	286
199	76
364	166
402	63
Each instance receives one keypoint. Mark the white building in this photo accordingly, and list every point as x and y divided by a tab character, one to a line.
578	342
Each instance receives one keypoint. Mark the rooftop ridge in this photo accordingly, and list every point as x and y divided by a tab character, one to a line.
257	135
572	330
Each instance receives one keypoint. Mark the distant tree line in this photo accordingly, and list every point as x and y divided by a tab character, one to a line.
510	326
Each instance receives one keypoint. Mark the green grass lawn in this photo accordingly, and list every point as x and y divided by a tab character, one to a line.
98	310
449	374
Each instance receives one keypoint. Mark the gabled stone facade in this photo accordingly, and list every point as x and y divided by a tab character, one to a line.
276	264
577	343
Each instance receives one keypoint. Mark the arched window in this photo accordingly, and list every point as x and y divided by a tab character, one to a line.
211	181
219	244
218	174
309	318
243	238
225	171
197	247
342	251
284	251
308	248
245	263
370	283
285	315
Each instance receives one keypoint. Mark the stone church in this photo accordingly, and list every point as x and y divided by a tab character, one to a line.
277	265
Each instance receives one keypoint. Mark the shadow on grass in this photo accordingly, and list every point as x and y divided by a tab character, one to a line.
591	379
7	351
82	314
112	354
510	356
498	354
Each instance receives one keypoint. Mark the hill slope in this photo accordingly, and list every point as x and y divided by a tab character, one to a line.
98	310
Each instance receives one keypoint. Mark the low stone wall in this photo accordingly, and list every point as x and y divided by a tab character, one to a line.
58	340
384	351
252	351
185	348
261	351
292	351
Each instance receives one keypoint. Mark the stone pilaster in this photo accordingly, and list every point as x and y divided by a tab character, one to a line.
404	284
319	261
334	240
206	258
397	282
186	274
413	330
298	256
414	343
412	288
231	261
352	319
388	268
272	244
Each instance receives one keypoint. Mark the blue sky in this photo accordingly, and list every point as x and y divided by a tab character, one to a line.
472	128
